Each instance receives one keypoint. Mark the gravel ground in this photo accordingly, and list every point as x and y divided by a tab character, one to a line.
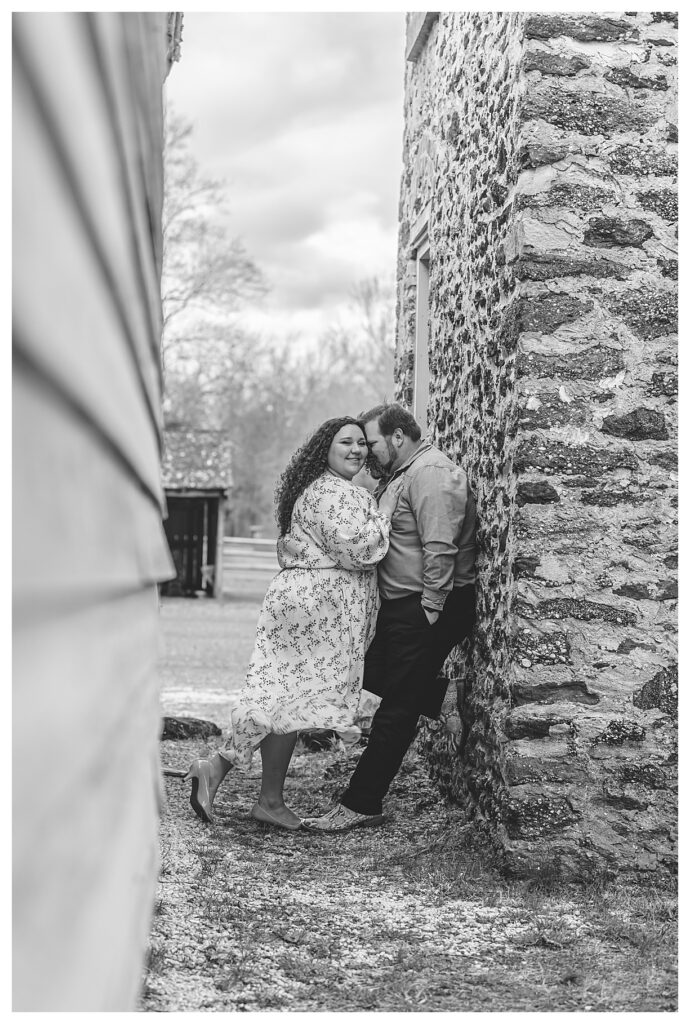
411	916
206	650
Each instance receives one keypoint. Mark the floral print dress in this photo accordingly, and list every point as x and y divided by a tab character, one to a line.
317	621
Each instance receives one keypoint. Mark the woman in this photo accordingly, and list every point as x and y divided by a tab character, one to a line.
316	622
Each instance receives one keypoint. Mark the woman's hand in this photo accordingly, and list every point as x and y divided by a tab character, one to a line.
389	499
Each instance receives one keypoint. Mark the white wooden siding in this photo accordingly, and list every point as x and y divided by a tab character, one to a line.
88	541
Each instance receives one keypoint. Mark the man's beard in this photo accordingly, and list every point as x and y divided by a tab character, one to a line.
375	468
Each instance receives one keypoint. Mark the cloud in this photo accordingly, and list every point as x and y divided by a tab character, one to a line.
301	115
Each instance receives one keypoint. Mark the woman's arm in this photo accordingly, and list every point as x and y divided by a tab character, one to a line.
348	526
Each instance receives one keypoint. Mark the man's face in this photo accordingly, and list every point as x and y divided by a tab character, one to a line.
380	448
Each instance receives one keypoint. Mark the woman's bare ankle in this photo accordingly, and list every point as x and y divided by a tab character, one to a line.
271	802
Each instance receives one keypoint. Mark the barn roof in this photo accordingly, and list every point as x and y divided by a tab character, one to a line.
199	459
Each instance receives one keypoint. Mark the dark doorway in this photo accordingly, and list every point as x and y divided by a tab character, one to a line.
191	529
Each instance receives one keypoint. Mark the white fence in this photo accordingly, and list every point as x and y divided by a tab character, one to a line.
248	565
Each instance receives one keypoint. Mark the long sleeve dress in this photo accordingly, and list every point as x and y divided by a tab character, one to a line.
316	622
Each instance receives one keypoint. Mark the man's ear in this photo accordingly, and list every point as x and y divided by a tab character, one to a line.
398	435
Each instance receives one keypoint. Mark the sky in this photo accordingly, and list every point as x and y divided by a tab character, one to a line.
300	115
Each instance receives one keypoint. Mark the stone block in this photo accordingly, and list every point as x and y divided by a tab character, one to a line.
636	591
536	493
642	160
537	816
628	798
521	769
547	266
541	648
662	201
670	16
545	313
628	645
585	611
609	497
606	232
667	591
580	481
648	313
629	79
639	425
538	150
586	112
532	722
572	195
665	459
586	28
552	411
553	691
550	63
649	775
661	691
663	384
557	457
185	728
669	268
592	363
620	731
524	566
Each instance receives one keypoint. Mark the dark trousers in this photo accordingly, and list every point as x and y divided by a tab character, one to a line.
401	664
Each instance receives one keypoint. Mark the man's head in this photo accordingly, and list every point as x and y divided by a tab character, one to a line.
392	435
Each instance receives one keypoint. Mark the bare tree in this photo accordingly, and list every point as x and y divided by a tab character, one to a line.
354	359
266	395
207	273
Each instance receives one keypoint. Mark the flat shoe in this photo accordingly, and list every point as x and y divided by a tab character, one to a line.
261	814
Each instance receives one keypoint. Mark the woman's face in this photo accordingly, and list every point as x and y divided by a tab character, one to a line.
347	452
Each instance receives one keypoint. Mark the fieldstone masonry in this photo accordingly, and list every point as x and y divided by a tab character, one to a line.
541	150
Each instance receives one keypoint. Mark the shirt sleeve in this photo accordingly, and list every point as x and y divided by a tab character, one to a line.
438	499
349	528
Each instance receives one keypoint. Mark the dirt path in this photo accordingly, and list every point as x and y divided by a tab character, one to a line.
404	917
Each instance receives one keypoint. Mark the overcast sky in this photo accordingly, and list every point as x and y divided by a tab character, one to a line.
301	115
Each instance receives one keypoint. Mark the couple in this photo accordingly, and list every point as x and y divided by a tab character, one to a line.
407	554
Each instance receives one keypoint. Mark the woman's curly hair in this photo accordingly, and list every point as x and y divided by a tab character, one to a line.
305	466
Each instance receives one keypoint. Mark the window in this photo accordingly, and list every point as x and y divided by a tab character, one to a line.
420	401
418	27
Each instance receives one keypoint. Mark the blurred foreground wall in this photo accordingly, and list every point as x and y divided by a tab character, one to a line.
89	546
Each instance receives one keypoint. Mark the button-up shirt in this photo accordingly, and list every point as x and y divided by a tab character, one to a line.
432	539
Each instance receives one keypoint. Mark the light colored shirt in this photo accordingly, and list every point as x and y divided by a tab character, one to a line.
432	539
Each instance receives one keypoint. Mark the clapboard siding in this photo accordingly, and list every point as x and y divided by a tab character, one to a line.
83	528
85	775
88	543
86	326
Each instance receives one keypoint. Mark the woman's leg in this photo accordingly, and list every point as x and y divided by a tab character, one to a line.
276	754
220	767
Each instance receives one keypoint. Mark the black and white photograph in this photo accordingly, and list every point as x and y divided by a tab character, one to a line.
345	511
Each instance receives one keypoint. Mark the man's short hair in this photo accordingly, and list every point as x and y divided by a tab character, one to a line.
391	416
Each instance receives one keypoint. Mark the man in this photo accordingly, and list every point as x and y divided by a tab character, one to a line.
426	582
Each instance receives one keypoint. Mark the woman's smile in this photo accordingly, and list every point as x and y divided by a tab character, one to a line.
347	452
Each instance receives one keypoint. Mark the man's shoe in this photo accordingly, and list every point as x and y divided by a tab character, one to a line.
340	819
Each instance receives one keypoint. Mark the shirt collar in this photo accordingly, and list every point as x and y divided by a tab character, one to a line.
424	447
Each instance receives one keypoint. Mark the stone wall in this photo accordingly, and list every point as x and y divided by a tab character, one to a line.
542	151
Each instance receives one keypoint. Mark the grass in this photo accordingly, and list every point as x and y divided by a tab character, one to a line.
409	917
414	916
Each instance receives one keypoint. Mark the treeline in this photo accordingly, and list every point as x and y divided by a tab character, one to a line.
265	394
